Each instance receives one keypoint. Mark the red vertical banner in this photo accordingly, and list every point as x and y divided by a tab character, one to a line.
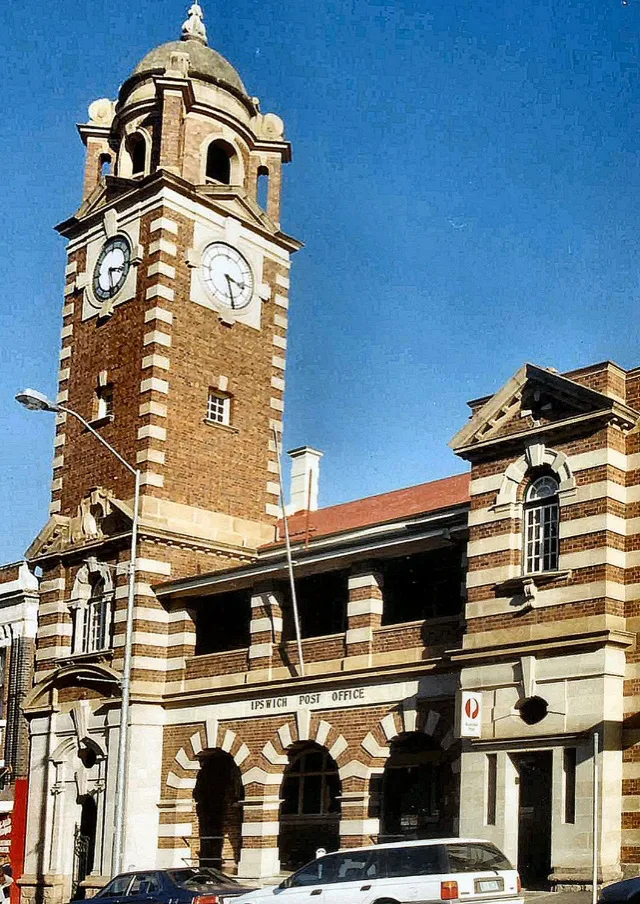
18	835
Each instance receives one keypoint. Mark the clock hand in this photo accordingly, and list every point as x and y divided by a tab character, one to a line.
229	280
241	286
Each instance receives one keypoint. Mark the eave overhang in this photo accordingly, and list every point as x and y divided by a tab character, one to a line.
325	553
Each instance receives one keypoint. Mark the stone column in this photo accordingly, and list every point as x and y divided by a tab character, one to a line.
266	630
364	614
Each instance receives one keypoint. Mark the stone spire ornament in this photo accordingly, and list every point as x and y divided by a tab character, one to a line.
194	29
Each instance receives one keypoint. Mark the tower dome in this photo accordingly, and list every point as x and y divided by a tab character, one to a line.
204	62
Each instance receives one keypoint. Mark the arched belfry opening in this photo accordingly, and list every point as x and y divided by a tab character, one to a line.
310	808
220	155
262	193
137	148
419	790
218	796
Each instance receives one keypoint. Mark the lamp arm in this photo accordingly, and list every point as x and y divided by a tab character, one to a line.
95	433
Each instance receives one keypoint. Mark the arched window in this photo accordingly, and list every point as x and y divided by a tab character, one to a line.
97	619
137	147
219	156
105	164
263	187
541	520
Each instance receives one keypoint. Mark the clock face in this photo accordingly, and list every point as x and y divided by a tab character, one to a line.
111	268
227	276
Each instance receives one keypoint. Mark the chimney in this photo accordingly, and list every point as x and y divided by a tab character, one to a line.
305	473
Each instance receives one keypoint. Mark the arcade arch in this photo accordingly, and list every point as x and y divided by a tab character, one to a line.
310	808
218	797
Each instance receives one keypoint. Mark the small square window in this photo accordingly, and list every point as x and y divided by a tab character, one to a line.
104	401
218	407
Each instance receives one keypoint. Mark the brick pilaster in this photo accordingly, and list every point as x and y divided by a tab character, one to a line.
364	614
177	97
265	628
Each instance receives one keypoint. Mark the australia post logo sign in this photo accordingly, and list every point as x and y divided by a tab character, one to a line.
469	713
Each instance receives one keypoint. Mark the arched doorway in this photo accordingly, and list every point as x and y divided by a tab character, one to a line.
310	808
419	790
218	795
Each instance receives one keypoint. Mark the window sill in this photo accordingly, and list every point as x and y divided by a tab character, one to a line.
100	421
227	427
95	656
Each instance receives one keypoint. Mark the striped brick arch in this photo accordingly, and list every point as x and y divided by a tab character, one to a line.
535	456
209	738
302	727
403	721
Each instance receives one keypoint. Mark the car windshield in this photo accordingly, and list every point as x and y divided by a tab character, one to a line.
475	857
200	878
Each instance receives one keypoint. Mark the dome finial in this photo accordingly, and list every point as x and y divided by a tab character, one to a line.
194	29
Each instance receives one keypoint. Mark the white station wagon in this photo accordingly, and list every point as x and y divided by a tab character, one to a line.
439	869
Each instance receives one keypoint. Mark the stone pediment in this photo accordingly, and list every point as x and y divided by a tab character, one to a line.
238	204
107	190
536	400
99	516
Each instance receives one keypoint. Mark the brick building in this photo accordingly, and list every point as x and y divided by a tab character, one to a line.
518	581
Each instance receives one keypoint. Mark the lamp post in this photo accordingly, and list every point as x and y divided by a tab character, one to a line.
37	401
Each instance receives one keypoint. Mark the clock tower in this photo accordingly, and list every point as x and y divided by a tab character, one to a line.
173	348
175	311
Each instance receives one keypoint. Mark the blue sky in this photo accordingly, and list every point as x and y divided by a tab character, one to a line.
466	180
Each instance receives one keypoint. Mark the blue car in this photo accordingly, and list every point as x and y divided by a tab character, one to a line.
625	892
184	885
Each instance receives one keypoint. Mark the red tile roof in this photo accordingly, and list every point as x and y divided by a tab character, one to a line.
419	500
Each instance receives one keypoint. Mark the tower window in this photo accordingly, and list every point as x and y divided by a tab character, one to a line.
219	157
541	523
104	401
218	407
137	147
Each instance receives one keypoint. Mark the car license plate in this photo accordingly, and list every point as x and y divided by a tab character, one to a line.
484	886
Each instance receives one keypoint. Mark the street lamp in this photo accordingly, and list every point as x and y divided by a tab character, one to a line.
37	401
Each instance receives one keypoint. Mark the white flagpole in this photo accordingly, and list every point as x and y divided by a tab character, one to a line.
287	543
